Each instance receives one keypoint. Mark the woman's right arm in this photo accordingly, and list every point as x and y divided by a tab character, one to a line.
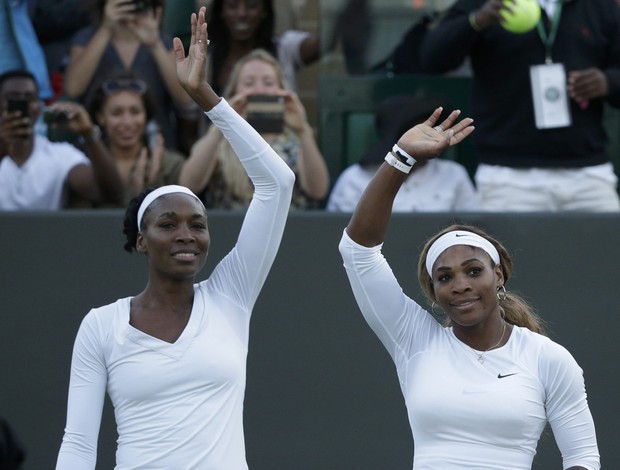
370	219
399	322
87	386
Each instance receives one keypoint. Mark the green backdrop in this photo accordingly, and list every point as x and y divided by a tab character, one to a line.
322	392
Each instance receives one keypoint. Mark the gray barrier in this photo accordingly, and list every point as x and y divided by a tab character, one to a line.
322	393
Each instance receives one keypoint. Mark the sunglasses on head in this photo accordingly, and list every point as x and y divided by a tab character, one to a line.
132	84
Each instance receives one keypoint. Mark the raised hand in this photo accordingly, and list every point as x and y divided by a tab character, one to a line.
429	139
191	70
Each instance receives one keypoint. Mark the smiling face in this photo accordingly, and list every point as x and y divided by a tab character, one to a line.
257	77
175	236
123	117
465	285
242	18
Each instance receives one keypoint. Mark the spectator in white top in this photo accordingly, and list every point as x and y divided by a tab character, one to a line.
437	185
36	174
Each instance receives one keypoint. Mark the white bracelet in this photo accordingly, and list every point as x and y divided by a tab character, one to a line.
396	163
400	152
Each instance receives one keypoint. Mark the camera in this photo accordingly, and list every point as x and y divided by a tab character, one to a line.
55	116
266	113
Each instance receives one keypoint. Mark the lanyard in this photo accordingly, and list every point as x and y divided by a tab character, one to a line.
550	38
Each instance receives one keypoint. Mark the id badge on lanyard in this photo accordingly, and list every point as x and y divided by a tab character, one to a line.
549	83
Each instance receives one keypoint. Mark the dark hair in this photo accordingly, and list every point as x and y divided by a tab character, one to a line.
516	310
96	100
17	73
220	37
130	222
97	12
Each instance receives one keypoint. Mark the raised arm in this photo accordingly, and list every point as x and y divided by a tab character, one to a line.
273	180
370	219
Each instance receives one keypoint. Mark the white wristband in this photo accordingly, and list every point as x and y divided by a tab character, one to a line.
396	163
397	150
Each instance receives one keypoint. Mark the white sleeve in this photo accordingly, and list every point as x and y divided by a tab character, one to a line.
242	273
567	409
87	386
401	324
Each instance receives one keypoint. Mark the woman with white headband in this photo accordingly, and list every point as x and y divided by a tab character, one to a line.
173	357
480	386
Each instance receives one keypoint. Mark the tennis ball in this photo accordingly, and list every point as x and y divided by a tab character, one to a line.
524	17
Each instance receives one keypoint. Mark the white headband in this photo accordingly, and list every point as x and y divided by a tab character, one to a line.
458	237
162	191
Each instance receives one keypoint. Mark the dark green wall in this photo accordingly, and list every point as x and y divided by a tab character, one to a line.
322	392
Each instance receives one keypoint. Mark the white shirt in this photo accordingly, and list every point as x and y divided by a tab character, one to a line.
464	414
180	405
40	183
438	186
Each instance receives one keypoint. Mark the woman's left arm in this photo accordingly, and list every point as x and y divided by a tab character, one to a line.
249	262
567	408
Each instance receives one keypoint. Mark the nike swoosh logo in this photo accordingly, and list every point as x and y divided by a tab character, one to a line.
459	235
500	376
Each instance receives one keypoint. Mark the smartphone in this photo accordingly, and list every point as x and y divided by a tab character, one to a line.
18	104
266	113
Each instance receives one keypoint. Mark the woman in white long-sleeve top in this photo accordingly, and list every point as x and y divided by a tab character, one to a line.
173	357
480	387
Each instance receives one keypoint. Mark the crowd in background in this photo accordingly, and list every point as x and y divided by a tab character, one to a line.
114	59
92	113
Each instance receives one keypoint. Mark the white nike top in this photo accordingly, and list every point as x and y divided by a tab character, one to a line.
180	405
464	414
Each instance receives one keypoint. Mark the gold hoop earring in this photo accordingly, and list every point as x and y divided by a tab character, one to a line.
436	314
501	296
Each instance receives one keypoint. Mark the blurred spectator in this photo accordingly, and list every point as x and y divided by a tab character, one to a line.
12	452
123	38
19	46
123	108
214	166
36	174
248	25
55	27
437	185
353	18
554	159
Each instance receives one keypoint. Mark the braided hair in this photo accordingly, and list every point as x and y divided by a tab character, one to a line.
130	222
